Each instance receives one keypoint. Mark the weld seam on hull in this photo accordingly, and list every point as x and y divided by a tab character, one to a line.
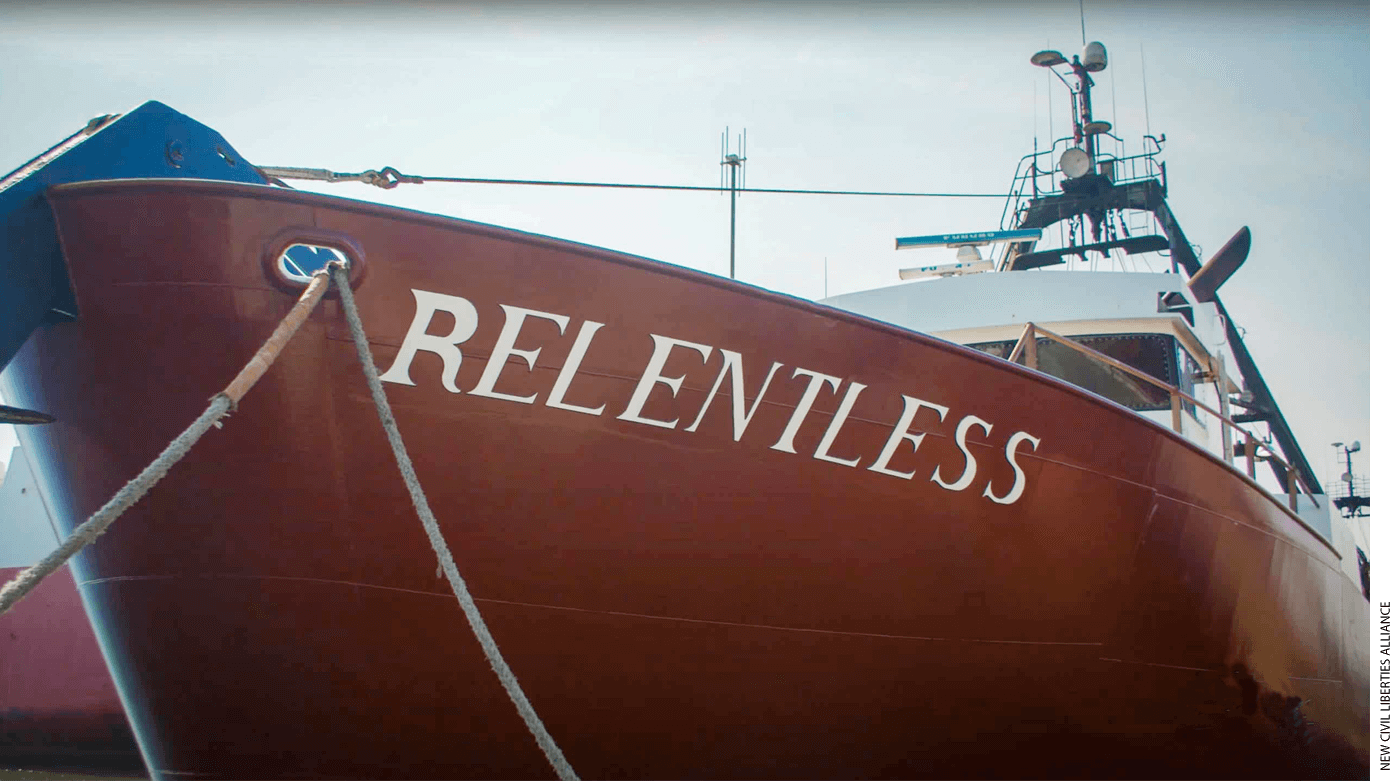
1159	664
1328	565
225	285
132	578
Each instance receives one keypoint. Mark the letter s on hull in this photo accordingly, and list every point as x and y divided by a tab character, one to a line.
970	470
1020	484
417	338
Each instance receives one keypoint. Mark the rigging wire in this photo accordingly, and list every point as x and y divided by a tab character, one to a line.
389	178
1113	103
1049	104
1146	108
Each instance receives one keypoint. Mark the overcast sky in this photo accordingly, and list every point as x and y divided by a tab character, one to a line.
1265	107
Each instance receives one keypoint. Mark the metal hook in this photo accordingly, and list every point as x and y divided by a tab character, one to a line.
390	177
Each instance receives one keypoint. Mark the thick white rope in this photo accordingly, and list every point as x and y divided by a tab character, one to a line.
221	405
420	503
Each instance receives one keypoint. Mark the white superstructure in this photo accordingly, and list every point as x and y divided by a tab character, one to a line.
1150	321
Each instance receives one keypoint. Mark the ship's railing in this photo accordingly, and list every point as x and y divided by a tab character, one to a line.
1350	496
1357	486
1037	173
1251	445
1027	175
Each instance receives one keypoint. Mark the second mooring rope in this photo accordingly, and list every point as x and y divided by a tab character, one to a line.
420	503
226	402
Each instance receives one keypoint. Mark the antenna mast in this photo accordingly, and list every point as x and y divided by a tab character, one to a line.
1086	128
1146	109
734	162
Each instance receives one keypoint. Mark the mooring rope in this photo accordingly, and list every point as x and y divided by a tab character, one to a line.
225	403
222	404
84	535
444	556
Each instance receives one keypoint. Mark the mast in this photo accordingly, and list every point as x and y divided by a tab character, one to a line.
734	163
1094	188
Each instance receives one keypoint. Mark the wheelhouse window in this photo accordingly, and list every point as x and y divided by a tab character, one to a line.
1156	355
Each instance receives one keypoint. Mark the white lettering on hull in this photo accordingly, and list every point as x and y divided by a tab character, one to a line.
570	368
417	338
960	436
804	405
465	322
834	429
734	367
505	348
652	375
901	434
1020	484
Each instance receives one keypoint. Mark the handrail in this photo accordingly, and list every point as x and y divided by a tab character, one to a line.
1019	177
1127	169
1026	345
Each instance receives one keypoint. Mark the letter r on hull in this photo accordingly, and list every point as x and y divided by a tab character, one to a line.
417	338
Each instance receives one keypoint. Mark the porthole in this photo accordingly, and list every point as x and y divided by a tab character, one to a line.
291	258
300	262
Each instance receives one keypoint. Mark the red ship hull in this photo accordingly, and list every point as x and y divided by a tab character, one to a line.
58	707
683	600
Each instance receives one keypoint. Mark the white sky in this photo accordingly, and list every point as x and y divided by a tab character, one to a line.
1266	109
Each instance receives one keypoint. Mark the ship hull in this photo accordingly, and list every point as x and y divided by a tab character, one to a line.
58	708
683	588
